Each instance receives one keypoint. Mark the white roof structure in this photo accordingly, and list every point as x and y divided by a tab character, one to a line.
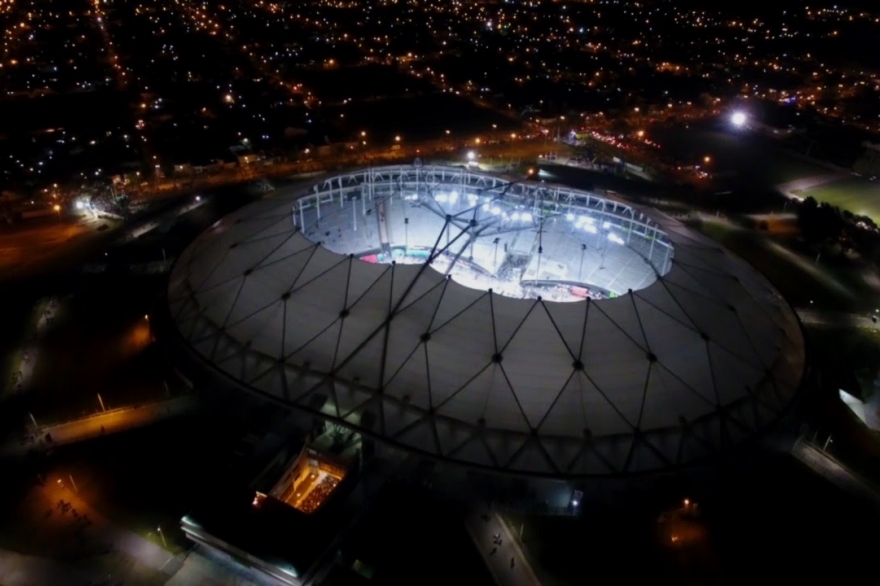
688	352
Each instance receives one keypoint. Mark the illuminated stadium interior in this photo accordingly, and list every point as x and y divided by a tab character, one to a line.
522	240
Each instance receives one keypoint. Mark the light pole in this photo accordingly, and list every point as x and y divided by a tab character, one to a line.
101	401
162	535
581	270
828	441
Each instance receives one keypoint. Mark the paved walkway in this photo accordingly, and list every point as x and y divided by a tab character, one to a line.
211	568
116	537
99	424
501	552
44	313
28	570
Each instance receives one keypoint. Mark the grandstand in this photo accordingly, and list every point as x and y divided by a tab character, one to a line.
489	233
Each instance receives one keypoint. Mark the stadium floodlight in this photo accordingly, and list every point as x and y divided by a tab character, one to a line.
738	119
471	155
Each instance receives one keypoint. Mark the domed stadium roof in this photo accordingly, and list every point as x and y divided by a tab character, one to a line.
372	299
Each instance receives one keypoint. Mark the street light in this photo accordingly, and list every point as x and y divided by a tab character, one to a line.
738	119
471	155
397	138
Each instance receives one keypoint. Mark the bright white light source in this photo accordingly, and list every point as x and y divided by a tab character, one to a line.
453	197
738	119
515	216
496	211
526	217
79	205
570	217
615	238
574	503
606	225
198	198
471	155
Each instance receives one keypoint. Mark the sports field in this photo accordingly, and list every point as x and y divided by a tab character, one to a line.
853	193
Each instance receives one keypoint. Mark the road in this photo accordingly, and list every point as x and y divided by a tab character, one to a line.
505	560
36	242
828	467
105	423
837	318
116	420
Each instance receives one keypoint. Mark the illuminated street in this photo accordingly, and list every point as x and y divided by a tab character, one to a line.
100	424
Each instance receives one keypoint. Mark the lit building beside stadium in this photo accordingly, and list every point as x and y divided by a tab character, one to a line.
505	325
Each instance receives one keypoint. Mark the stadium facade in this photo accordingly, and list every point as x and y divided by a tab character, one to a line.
507	325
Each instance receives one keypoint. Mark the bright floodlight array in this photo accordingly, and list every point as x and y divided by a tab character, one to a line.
277	299
521	240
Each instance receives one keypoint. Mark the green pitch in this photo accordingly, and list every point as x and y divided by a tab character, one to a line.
856	194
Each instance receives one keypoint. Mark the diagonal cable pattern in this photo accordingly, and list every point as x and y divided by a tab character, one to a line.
434	308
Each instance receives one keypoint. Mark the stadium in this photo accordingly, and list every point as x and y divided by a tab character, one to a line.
492	322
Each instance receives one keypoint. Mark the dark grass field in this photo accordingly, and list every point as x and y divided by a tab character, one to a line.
773	521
